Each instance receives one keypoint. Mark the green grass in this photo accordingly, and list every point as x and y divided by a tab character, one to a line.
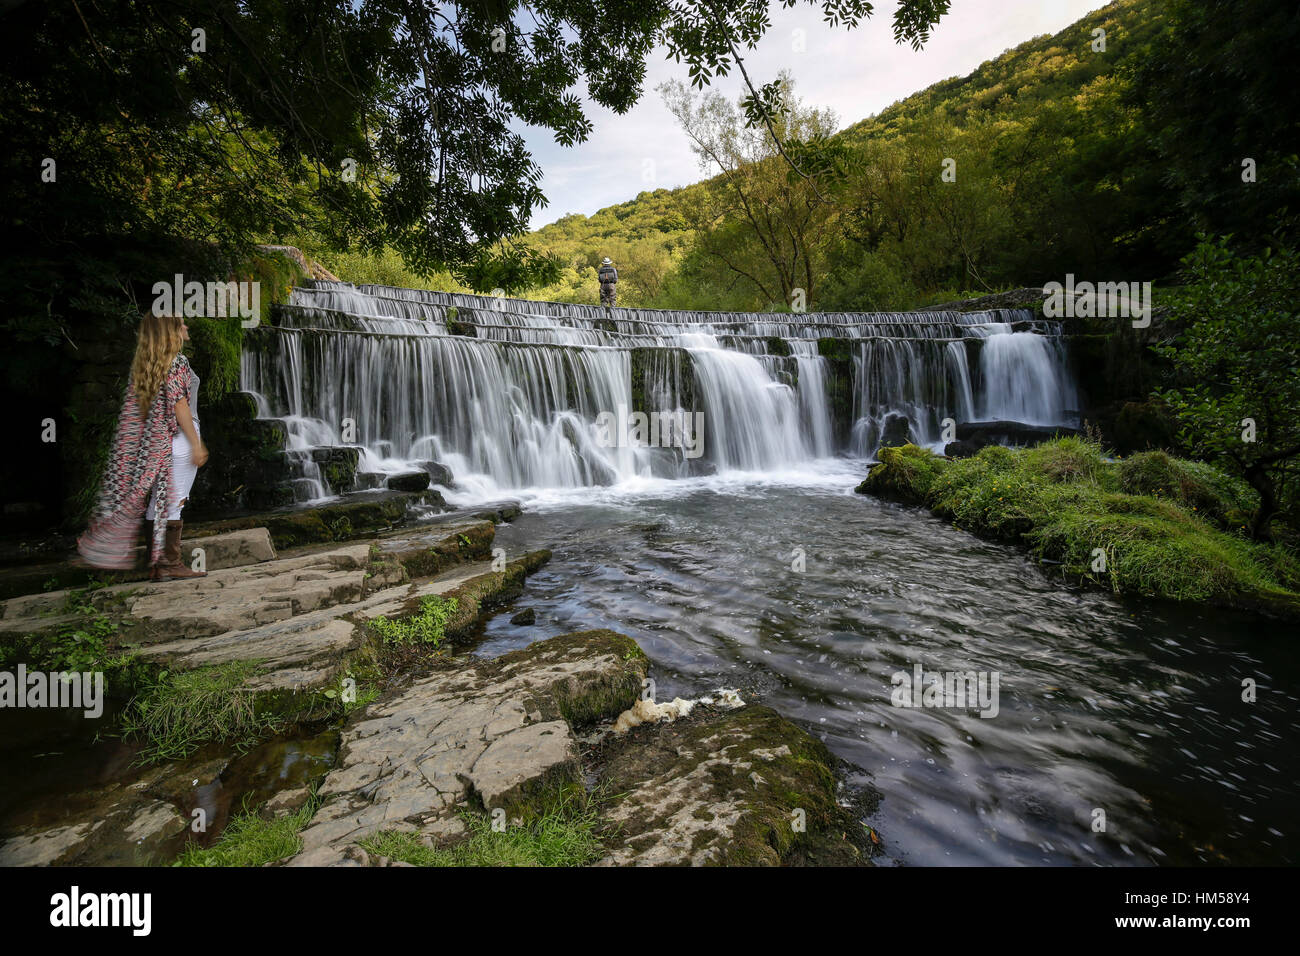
565	836
248	840
426	627
178	711
1168	528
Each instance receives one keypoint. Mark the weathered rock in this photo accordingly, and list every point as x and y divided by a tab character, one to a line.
124	826
719	791
972	436
285	803
231	550
439	474
525	764
434	548
338	466
525	617
359	515
495	731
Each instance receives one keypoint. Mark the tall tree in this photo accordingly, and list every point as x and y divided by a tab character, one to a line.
1238	365
769	207
1220	89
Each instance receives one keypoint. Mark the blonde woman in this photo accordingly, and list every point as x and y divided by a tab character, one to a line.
156	453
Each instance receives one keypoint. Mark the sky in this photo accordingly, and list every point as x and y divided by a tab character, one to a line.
855	73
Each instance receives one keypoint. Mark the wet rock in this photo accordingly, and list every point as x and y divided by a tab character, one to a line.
895	432
359	515
502	511
439	474
125	828
338	465
525	617
430	550
409	481
285	803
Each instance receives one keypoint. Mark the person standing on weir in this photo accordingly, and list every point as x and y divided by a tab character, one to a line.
608	276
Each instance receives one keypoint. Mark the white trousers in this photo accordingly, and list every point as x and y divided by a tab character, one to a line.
183	472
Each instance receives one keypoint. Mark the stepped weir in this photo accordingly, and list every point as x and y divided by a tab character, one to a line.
500	394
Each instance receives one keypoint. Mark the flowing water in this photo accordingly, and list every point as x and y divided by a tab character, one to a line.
514	399
752	564
1131	709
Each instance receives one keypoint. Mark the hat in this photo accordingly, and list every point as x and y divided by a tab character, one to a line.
605	261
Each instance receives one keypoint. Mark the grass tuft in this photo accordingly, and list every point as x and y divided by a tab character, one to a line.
249	840
564	836
178	711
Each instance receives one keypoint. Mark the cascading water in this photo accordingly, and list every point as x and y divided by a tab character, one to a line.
508	394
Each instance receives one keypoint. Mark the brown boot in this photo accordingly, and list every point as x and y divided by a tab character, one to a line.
172	567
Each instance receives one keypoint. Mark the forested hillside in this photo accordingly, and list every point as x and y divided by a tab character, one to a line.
1041	162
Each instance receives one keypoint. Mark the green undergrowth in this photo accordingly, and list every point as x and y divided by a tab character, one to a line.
427	626
563	836
250	840
1150	525
176	712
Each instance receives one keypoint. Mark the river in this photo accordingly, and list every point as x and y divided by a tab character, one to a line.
1116	714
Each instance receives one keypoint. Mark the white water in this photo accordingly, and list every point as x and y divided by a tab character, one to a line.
515	404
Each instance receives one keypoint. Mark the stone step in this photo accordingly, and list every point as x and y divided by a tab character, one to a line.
430	549
305	652
224	600
229	550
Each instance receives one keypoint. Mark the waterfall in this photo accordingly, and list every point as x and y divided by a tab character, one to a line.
510	394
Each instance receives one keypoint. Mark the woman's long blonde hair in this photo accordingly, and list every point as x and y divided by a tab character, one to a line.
155	350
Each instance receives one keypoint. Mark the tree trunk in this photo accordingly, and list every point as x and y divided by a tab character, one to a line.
1257	477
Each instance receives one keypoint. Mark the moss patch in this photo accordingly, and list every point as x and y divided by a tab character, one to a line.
741	788
1153	526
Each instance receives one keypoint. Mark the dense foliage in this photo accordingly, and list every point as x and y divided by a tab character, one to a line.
1067	156
1237	360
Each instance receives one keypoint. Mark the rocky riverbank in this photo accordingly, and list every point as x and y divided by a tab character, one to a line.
346	663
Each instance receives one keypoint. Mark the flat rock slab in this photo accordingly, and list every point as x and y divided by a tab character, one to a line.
235	549
430	549
305	652
130	825
497	731
223	600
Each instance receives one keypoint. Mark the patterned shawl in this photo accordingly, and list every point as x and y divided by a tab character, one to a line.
141	459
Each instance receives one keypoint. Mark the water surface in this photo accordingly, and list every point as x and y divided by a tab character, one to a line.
1130	708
